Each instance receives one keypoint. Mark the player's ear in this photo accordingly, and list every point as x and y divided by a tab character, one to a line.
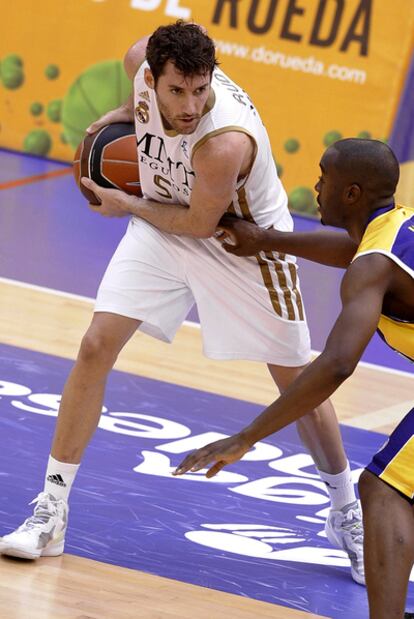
352	193
149	78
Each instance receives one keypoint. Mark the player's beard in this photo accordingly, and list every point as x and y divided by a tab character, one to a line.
173	123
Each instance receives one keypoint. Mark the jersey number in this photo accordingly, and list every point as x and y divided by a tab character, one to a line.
161	183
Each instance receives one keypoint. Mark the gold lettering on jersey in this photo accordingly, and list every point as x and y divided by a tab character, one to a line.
144	95
411	228
238	94
142	112
160	182
153	154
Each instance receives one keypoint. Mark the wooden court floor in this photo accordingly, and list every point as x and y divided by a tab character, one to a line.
69	587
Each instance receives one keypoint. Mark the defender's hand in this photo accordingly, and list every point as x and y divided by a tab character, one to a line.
221	452
239	237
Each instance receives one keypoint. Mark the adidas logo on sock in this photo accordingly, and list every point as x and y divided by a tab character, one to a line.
56	479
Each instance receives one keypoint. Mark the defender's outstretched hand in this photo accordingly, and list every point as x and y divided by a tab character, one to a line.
221	452
239	237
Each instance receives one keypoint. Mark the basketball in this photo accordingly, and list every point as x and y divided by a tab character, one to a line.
109	157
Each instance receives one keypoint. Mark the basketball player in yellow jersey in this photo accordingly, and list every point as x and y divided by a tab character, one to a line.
202	146
355	192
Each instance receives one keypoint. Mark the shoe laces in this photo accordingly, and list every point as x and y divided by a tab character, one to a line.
353	524
46	507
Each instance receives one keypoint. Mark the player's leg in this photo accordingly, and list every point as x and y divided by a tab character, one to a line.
83	393
141	288
43	533
389	546
387	488
143	282
320	433
316	426
260	317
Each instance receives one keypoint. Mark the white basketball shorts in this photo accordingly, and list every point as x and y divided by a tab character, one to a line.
249	308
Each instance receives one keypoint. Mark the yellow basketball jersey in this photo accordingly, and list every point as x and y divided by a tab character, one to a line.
390	232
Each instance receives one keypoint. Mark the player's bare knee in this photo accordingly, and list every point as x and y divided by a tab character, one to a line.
97	349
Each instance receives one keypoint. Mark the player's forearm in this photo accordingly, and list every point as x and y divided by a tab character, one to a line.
315	385
324	246
174	219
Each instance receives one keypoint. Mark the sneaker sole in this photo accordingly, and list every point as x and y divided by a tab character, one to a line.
21	553
360	580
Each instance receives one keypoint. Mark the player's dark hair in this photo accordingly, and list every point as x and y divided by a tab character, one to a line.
185	45
370	163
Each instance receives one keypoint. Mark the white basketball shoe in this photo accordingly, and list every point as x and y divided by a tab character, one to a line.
41	535
344	530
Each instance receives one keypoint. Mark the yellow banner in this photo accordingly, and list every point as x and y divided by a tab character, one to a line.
317	70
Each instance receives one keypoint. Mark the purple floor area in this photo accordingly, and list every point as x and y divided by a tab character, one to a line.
255	530
14	166
48	237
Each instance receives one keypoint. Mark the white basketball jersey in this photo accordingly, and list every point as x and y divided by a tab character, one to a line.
165	157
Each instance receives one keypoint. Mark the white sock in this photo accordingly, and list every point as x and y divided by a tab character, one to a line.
340	488
59	478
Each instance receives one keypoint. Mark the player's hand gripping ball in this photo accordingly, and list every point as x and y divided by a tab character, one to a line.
109	157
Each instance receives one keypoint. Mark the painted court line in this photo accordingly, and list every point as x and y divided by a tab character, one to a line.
35	178
186	323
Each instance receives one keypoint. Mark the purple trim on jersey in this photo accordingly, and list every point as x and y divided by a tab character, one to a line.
398	438
403	246
380	211
382	336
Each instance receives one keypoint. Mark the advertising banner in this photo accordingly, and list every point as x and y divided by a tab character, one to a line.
317	70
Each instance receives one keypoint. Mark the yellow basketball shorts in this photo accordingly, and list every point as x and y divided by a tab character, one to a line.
394	462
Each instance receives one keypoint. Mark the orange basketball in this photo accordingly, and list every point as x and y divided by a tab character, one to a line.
109	157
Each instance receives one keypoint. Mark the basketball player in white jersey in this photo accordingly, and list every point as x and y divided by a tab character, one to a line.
202	151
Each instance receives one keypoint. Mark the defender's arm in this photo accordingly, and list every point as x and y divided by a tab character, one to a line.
363	290
324	246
